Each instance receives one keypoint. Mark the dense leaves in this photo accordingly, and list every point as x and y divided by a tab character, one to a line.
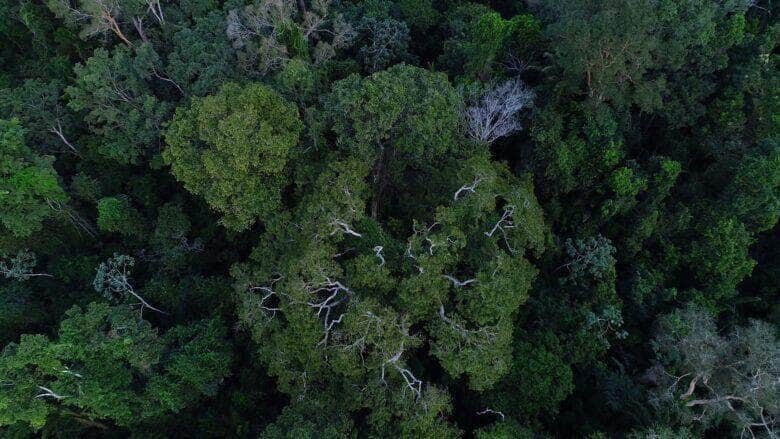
389	218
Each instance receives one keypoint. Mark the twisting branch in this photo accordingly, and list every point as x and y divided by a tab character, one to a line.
459	283
74	217
48	393
59	132
113	279
469	336
325	298
156	9
70	372
487	411
408	252
270	311
138	23
467	188
20	267
504	223
167	79
412	383
378	253
345	228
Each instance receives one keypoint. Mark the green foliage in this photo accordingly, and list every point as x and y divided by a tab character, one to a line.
98	353
232	148
200	61
712	379
404	109
481	38
539	380
591	256
720	260
116	214
349	188
112	89
28	182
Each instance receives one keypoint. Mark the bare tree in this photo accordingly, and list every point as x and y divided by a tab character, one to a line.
495	114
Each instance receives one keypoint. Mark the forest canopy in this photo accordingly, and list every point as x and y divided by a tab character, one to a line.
389	218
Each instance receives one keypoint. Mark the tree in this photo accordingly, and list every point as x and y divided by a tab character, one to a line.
232	148
495	112
269	33
400	120
85	373
116	214
387	41
538	381
201	59
705	378
20	267
28	184
479	39
40	108
99	17
113	281
112	90
720	260
628	52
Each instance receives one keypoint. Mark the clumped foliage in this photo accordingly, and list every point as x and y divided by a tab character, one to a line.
389	218
232	147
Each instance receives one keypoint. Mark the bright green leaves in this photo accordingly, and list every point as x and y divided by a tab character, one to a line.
720	261
482	354
404	109
116	214
539	380
404	123
18	402
100	352
481	38
232	148
28	182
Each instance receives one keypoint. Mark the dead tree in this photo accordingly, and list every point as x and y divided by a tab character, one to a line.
495	114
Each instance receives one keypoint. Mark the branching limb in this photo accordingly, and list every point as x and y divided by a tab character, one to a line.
325	298
505	222
378	253
345	228
412	383
467	188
